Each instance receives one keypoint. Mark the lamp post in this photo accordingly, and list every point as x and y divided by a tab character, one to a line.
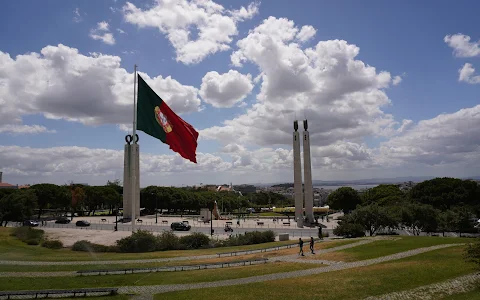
116	220
211	222
156	209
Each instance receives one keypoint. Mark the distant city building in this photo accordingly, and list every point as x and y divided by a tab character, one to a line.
4	185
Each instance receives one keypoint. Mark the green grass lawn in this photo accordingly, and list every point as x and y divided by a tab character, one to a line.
13	249
388	247
24	283
404	274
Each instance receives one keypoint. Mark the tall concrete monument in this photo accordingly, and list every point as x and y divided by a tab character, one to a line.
307	175
131	198
297	176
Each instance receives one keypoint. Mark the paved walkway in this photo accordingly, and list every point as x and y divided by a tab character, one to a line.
156	289
457	285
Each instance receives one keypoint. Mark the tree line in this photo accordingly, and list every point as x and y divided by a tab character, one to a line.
22	204
437	205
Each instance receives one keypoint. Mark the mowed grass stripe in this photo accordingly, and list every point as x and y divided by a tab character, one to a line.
148	278
387	247
357	283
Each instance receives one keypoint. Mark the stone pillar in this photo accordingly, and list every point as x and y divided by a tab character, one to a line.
131	151
307	175
127	192
297	176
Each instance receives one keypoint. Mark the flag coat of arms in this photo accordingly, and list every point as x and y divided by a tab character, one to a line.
155	118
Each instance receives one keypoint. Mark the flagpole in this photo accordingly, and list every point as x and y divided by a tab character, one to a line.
133	158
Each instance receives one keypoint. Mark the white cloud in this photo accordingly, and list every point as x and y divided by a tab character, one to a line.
77	18
102	32
462	47
445	139
61	83
121	31
396	80
341	96
306	33
195	29
466	74
225	90
16	129
246	13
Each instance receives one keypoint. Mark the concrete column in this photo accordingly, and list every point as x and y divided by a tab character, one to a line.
307	172
127	192
297	176
131	152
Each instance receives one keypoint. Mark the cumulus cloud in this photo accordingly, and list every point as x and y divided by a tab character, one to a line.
225	90
102	33
195	29
447	138
340	95
465	74
14	129
462	47
61	83
306	33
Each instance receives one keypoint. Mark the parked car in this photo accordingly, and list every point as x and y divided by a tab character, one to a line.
180	226
82	223
62	220
124	220
30	223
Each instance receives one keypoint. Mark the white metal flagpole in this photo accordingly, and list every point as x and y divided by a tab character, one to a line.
133	154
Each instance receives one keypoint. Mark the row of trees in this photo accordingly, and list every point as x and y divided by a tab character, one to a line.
19	205
437	205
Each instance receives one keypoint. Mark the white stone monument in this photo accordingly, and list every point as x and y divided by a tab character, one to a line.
131	159
297	176
307	175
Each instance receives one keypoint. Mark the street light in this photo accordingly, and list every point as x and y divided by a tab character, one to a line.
116	220
156	209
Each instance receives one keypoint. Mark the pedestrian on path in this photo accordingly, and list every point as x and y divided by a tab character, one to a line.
300	244
312	242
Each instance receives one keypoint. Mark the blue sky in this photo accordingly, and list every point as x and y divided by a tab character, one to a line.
405	39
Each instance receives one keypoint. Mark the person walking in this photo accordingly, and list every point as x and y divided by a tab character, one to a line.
312	243
300	244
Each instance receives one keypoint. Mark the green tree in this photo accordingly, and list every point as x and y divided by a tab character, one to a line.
420	217
374	217
17	206
48	196
383	195
344	198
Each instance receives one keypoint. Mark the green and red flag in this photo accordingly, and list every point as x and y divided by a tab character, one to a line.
155	118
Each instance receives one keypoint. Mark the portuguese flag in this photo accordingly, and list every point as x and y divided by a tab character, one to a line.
155	118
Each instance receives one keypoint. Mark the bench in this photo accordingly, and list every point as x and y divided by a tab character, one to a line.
229	223
185	222
72	292
286	223
260	223
140	221
104	220
164	222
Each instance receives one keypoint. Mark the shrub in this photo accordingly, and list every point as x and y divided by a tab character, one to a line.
472	253
167	240
249	238
52	244
195	240
140	241
325	234
28	235
87	246
351	230
32	242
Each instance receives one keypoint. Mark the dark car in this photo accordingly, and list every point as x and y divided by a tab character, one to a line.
180	226
124	220
62	220
30	223
82	223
